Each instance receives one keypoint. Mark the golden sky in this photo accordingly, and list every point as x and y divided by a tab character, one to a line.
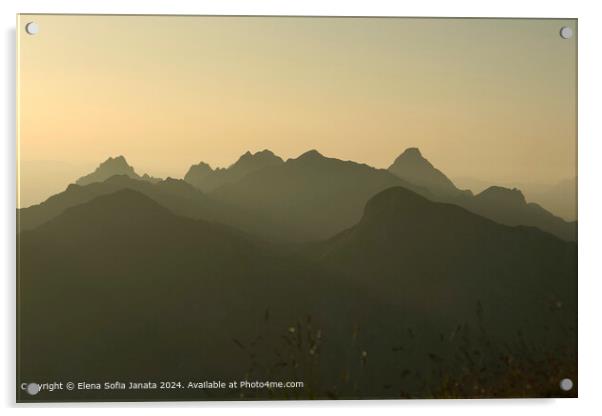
491	99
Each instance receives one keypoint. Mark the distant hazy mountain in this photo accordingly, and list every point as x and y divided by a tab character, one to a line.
111	167
560	198
414	168
203	177
506	206
313	195
40	179
415	294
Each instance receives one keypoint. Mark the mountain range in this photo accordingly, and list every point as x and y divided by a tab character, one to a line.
311	197
127	281
361	282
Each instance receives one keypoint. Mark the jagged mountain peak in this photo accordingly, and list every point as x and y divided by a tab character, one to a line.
201	176
116	159
107	169
116	162
412	155
412	152
411	166
111	167
198	172
262	157
202	167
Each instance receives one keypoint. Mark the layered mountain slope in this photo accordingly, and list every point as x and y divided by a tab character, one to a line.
403	233
176	195
138	293
128	281
439	260
123	279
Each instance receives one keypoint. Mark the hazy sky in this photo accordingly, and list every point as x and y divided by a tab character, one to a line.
488	99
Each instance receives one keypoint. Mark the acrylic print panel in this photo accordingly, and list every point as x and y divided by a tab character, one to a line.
269	208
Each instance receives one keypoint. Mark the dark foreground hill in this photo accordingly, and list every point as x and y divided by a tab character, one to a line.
416	296
447	253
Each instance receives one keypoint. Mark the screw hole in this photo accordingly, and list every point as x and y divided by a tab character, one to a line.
32	28
33	389
566	32
566	384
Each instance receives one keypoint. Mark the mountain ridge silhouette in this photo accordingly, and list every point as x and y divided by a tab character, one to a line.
305	198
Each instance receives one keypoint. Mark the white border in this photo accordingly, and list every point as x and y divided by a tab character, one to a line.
590	212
